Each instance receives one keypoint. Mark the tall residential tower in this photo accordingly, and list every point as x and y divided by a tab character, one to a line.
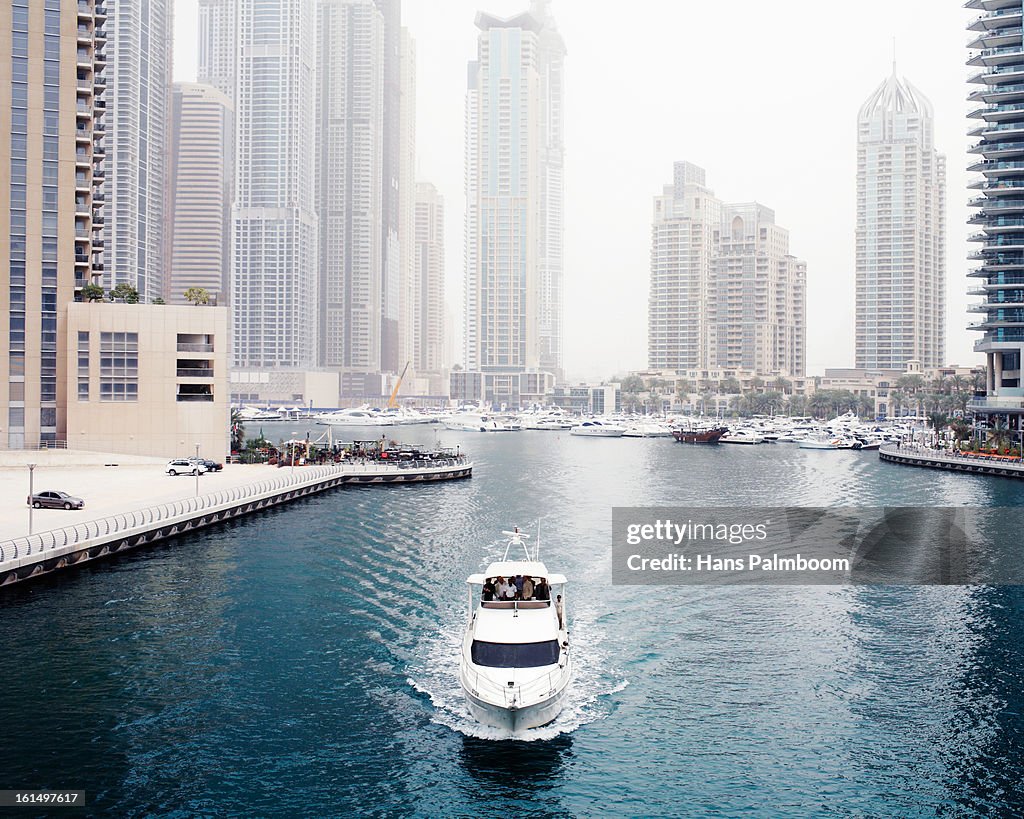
274	271
725	292
901	231
51	200
513	210
997	50
137	144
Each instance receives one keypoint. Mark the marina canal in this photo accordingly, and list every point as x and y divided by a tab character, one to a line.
303	660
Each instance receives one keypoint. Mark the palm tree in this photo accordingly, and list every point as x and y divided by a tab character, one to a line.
961	430
797	405
729	386
783	385
819	404
978	379
999	435
897	400
865	407
939	422
237	431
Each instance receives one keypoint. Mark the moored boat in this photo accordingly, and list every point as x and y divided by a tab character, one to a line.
709	435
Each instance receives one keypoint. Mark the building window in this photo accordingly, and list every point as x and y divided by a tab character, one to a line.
119	366
83	366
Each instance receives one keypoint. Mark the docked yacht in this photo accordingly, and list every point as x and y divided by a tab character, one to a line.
515	667
741	435
362	417
598	429
479	422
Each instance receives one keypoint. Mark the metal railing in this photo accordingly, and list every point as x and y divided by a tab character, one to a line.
520	696
175	511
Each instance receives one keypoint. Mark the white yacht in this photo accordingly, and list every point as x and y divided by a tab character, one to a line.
647	429
741	436
515	667
248	414
478	422
598	429
362	417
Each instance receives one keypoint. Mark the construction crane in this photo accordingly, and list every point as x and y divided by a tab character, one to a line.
393	400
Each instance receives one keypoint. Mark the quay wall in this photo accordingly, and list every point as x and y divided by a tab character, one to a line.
941	459
37	554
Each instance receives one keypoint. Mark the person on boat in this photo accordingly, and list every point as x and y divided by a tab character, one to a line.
519	587
500	587
560	611
489	590
542	591
510	590
527	588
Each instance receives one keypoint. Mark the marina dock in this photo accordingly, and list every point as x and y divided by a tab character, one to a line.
955	462
88	539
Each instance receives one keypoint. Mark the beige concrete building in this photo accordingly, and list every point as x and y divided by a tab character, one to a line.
200	191
52	129
148	379
428	278
725	292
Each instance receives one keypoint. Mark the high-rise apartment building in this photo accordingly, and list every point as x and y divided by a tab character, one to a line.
218	43
550	63
200	197
350	148
391	192
409	296
429	341
514	197
997	50
137	144
901	231
725	292
757	295
274	268
52	126
686	216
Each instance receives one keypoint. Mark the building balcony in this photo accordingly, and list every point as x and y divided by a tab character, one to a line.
996	37
84	10
998	113
996	18
195	348
997	150
195	373
997	55
999	130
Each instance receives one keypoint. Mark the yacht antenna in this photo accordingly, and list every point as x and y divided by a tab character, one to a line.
536	551
516	538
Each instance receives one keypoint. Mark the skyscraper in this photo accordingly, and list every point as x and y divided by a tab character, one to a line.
758	295
218	41
997	50
725	291
200	203
349	192
551	57
137	144
901	231
274	270
686	216
514	195
429	280
391	193
408	197
52	135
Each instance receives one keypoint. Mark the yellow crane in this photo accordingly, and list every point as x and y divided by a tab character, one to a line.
392	401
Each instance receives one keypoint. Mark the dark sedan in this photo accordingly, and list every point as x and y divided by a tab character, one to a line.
56	500
211	466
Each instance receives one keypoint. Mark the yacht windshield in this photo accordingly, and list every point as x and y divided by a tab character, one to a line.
514	655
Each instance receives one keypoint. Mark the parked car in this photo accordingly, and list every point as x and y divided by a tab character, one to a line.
211	466
55	500
183	466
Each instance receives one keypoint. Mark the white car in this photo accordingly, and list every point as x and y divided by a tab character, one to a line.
182	466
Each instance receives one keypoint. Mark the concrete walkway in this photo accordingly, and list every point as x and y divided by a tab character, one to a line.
135	483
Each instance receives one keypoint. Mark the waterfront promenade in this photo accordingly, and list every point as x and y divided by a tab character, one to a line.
945	459
139	503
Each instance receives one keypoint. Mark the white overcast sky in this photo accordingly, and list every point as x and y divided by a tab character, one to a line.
763	95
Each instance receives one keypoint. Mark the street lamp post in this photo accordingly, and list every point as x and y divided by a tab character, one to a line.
31	491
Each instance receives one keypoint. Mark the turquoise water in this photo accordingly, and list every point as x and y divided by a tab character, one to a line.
303	661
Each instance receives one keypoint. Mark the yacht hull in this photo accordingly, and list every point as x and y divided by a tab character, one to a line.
513	719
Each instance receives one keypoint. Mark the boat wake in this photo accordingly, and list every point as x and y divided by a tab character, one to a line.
591	696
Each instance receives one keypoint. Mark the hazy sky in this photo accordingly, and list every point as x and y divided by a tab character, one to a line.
763	95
